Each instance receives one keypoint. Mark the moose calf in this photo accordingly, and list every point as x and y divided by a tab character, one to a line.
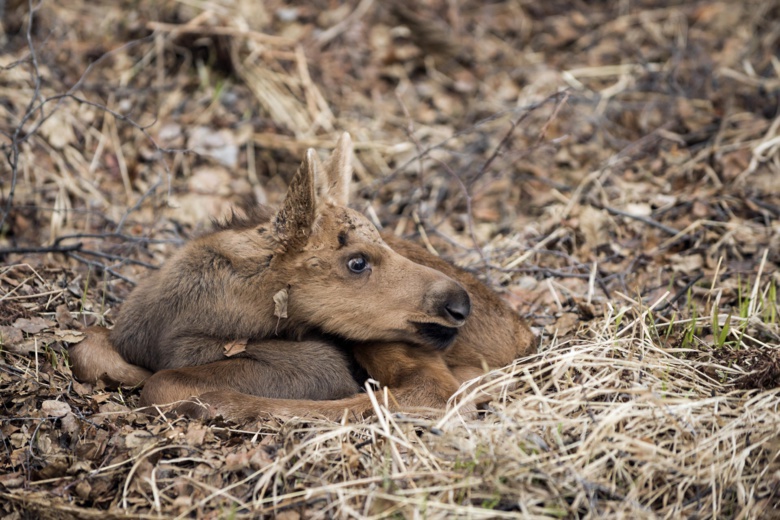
286	313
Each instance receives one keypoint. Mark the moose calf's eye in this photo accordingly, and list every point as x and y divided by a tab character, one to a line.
358	264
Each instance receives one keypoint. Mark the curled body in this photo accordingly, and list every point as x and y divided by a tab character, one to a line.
317	299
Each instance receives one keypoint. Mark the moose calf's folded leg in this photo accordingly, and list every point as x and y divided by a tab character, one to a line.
239	407
419	394
96	359
415	379
274	369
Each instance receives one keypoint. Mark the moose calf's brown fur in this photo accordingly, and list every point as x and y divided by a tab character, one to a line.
309	290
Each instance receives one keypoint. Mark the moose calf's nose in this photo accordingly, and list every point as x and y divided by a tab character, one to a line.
458	307
449	301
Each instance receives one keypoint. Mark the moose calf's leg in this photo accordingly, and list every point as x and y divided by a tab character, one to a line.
416	377
273	369
239	407
96	359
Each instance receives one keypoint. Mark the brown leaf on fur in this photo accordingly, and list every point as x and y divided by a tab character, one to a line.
235	347
280	303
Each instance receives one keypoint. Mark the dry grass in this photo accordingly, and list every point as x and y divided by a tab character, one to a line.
612	170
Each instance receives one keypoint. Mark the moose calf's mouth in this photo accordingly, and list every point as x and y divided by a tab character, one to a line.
438	336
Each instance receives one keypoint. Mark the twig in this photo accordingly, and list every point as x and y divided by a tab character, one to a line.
122	259
127	238
326	36
469	217
641	218
68	249
558	233
100	267
40	250
138	204
775	210
505	140
36	105
610	164
682	292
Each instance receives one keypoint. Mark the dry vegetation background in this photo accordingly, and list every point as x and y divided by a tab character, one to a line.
613	168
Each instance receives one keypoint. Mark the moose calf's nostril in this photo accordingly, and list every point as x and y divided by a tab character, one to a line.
456	312
459	307
448	301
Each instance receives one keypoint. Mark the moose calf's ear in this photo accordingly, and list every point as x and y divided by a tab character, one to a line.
292	224
338	170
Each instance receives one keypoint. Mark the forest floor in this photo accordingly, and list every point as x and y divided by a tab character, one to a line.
611	168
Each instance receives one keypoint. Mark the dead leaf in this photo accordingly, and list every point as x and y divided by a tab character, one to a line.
642	209
10	336
69	336
58	129
280	303
588	311
210	181
182	502
218	144
55	408
69	423
80	466
33	325
11	480
83	488
100	398
31	344
63	317
237	346
196	434
81	389
686	263
111	407
567	323
594	225
259	458
139	439
237	461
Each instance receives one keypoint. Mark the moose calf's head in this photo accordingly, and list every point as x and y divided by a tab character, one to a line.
343	278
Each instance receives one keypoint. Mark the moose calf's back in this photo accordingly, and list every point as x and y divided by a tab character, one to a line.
209	293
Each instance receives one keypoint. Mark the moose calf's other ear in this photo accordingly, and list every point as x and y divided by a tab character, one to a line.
292	224
338	170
